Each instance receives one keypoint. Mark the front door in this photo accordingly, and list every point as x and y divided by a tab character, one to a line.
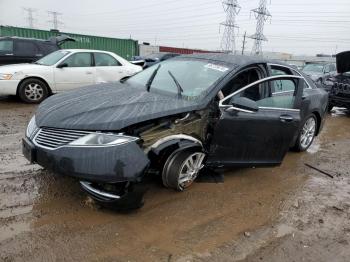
259	132
77	71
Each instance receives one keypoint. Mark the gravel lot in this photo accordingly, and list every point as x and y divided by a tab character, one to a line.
285	213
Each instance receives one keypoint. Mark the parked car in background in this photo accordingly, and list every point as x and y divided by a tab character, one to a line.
318	72
63	70
338	86
172	119
149	60
15	50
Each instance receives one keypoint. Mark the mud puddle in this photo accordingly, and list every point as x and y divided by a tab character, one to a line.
44	217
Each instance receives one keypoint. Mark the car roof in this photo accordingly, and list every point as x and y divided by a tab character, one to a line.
25	38
86	50
229	58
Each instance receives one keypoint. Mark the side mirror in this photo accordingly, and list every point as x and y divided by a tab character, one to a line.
62	65
244	104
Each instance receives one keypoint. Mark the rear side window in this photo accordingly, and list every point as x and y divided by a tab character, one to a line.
102	59
281	85
6	46
26	48
79	60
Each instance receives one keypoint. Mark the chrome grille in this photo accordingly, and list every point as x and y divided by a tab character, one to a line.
54	137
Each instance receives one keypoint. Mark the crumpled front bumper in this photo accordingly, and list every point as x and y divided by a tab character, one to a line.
111	164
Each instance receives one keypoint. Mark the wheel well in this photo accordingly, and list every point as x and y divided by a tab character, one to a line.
318	118
158	158
34	77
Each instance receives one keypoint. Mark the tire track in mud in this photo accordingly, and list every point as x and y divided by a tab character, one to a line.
18	187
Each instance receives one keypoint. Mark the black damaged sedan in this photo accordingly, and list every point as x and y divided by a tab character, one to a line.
210	110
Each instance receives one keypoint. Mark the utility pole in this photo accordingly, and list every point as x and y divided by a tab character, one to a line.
244	42
30	19
55	21
232	9
261	15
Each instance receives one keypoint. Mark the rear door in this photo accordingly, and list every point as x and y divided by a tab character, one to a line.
108	68
262	137
78	71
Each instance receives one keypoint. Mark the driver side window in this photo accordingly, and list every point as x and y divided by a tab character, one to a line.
78	60
269	95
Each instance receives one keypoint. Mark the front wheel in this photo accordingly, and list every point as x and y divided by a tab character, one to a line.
33	90
307	134
182	168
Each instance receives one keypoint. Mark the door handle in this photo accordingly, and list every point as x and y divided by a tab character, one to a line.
88	73
286	118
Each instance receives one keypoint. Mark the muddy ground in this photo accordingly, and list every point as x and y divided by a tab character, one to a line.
285	213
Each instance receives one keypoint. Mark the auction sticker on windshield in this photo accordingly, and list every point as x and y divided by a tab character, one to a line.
216	67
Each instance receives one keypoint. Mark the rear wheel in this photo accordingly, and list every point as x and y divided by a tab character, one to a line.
329	108
307	134
182	168
33	90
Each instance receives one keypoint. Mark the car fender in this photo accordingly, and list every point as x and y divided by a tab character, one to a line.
175	141
46	76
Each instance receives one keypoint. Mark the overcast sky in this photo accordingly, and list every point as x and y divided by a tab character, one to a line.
297	26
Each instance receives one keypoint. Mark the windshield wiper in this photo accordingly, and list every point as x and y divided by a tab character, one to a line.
150	80
179	88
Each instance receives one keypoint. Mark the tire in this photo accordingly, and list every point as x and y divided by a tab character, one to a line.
178	172
309	126
329	108
33	91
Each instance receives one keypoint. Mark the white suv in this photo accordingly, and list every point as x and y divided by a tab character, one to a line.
61	71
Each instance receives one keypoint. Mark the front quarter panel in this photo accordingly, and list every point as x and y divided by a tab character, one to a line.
45	73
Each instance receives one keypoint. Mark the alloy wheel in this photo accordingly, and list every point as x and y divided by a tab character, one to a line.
190	169
34	91
308	132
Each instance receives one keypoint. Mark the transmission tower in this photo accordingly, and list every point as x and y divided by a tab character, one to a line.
261	15
55	21
232	9
30	19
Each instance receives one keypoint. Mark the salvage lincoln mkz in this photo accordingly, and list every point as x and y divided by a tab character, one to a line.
212	110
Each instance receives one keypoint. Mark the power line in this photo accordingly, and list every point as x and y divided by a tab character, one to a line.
30	19
261	14
55	21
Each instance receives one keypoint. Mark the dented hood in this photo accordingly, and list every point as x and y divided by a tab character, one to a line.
343	62
107	107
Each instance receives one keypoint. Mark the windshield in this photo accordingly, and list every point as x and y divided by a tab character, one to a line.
52	58
194	76
313	68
